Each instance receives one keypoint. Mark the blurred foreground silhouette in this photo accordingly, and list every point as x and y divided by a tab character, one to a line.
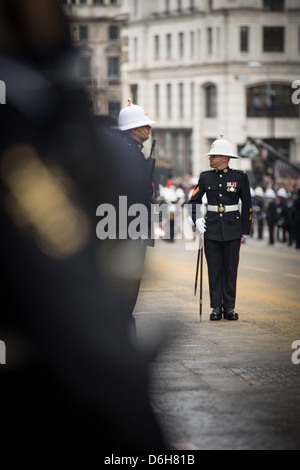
74	372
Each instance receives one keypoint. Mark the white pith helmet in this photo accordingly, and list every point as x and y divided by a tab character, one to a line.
270	193
132	117
221	147
282	193
259	192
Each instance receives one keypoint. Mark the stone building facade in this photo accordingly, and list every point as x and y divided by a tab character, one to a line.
199	67
205	67
95	28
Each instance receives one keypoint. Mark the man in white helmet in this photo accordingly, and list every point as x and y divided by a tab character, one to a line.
136	126
135	121
223	226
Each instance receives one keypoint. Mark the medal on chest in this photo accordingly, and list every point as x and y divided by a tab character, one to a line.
231	187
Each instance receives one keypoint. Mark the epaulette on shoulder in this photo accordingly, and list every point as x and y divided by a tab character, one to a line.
207	171
239	171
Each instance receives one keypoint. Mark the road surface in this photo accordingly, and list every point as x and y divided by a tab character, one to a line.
224	386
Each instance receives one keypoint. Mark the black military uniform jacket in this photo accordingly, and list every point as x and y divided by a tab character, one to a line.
144	169
224	188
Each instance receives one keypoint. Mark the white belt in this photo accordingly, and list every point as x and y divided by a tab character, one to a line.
222	208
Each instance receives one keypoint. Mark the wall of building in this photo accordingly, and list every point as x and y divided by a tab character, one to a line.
222	64
171	84
99	47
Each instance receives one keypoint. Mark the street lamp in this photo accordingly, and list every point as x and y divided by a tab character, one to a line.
269	94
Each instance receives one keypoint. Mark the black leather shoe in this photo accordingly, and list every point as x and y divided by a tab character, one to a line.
230	314
216	314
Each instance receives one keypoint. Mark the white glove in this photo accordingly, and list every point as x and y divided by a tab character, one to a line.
201	225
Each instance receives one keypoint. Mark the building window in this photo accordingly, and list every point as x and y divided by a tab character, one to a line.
114	68
192	44
114	33
209	40
181	100
164	140
273	39
99	2
273	5
218	41
169	46
278	104
181	44
156	92
114	108
176	153
83	33
156	47
85	69
179	153
169	101
244	38
167	6
134	93
135	50
211	101
82	2
192	99
199	43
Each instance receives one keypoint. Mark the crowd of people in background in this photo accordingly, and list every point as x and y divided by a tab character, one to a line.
276	208
276	212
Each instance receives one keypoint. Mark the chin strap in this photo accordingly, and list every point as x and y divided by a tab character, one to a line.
214	165
144	133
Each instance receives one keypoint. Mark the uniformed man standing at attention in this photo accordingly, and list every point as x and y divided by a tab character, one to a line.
136	128
224	226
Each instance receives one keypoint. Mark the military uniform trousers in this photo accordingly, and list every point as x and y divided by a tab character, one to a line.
222	261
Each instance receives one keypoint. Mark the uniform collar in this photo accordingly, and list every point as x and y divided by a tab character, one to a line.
135	144
222	172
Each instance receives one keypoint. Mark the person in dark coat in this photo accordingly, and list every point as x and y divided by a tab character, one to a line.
224	225
281	214
271	215
296	220
74	382
135	127
258	203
